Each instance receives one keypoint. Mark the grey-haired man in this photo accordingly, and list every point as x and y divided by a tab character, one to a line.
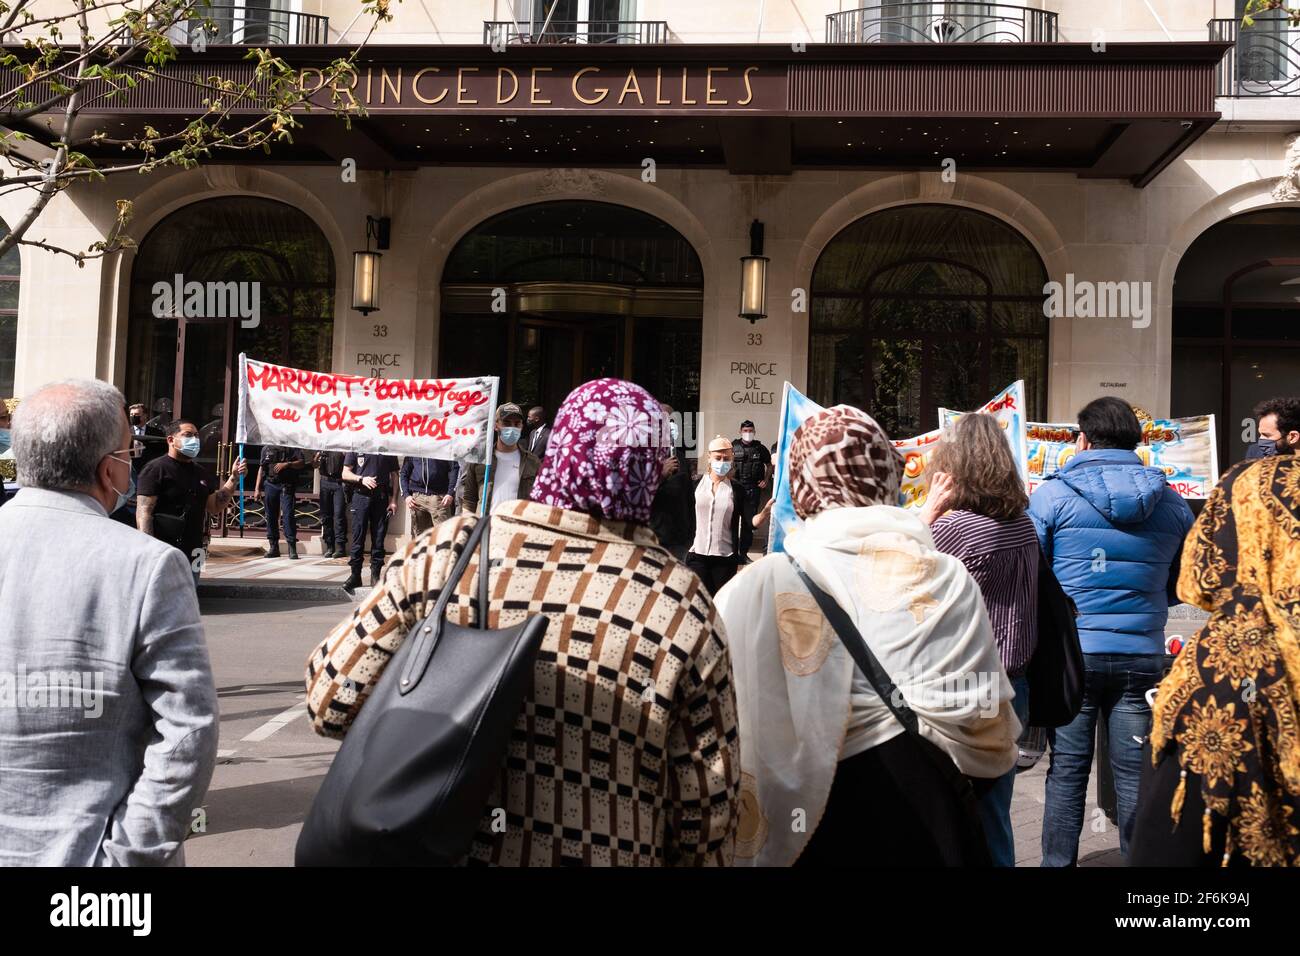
108	715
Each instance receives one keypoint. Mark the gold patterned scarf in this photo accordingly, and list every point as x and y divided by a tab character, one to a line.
1229	706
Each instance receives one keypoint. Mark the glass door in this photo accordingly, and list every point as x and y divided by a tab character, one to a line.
204	378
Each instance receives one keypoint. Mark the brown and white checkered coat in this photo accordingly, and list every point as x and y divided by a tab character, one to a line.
625	752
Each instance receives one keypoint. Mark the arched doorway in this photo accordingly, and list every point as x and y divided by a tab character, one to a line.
926	305
9	269
181	364
1236	322
551	295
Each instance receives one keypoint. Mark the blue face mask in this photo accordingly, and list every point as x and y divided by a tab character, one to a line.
124	496
510	436
721	468
190	446
6	437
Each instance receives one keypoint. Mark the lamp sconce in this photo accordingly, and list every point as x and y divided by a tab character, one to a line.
753	277
365	266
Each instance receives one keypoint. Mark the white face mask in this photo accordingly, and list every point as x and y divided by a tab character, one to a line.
746	436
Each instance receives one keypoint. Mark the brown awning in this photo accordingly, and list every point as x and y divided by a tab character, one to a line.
1124	112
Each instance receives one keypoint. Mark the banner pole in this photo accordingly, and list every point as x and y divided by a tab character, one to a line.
491	447
241	487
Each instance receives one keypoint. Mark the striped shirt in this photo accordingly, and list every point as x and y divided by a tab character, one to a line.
1002	557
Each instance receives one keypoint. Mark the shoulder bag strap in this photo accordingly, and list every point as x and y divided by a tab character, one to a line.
852	639
428	631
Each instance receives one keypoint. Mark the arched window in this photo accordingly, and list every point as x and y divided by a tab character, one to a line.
184	366
926	305
551	295
9	268
1237	323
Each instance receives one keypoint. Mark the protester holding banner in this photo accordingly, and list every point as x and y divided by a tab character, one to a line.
1111	528
278	474
513	469
975	508
374	500
671	516
176	494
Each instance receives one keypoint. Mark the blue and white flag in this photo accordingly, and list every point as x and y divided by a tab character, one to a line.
796	408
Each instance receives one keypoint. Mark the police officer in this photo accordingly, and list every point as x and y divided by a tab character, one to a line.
753	469
333	504
374	501
278	474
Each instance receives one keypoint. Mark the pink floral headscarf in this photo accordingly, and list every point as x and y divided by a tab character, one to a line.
604	455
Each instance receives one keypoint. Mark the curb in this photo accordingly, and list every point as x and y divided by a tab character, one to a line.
246	590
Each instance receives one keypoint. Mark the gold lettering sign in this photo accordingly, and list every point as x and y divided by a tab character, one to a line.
411	88
577	94
415	86
460	84
501	72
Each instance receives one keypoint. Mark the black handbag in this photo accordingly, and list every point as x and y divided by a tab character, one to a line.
975	850
412	780
1055	672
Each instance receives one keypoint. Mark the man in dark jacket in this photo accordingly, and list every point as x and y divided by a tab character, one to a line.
333	504
428	487
672	514
1112	529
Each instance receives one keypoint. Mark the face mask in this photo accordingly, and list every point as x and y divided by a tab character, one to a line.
746	436
190	446
6	436
1267	447
510	436
124	496
721	468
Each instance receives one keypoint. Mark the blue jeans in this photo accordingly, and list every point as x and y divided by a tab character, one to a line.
995	805
1115	687
280	501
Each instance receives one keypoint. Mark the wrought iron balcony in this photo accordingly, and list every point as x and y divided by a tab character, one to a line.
240	25
1264	59
942	23
497	33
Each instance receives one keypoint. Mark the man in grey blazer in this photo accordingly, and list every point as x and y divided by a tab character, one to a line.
108	715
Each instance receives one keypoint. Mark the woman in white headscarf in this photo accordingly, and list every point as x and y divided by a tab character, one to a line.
829	774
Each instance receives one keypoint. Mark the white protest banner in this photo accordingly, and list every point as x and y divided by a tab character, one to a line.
1008	407
329	411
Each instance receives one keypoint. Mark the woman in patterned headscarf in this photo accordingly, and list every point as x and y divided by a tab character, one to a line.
829	776
624	752
1223	786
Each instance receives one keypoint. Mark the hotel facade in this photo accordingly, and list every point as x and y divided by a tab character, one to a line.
935	199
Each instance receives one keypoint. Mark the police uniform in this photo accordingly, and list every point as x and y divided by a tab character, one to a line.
370	508
333	503
752	461
281	493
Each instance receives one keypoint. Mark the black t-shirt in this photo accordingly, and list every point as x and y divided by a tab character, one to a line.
331	464
751	461
273	455
378	467
182	489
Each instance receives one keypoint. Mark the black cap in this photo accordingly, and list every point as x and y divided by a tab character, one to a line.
746	424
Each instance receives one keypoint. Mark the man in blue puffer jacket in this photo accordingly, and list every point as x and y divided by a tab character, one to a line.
1112	528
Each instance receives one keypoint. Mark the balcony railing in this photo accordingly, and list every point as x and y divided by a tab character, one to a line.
942	23
498	33
241	25
1264	59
